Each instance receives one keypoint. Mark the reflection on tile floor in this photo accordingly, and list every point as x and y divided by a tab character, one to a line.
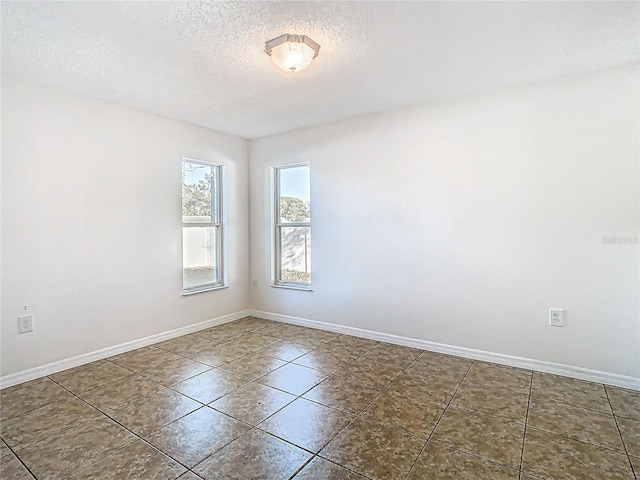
257	399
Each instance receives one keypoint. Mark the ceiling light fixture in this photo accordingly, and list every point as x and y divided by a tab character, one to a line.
292	53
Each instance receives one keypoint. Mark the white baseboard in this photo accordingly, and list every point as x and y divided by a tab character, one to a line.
580	373
55	367
520	362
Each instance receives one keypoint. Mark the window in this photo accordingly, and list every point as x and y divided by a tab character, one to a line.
202	226
292	226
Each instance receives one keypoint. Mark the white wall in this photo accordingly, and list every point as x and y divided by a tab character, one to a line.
462	223
91	237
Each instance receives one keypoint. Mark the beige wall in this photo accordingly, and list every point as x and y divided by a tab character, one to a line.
459	223
91	224
463	223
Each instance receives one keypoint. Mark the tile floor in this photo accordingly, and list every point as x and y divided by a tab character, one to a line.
256	399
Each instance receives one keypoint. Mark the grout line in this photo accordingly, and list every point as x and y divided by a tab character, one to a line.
317	455
333	373
438	421
139	437
18	458
354	417
213	343
300	396
102	413
624	445
357	416
526	422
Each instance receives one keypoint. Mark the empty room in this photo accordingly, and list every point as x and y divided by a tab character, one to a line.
320	240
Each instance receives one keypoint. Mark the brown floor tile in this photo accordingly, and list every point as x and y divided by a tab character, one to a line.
92	375
217	335
142	358
244	323
74	449
174	371
243	344
4	449
254	341
293	379
376	374
390	354
210	385
254	456
630	430
17	402
444	463
252	324
19	386
325	360
625	403
252	366
306	424
234	347
500	376
431	388
184	345
12	469
578	423
189	476
348	344
431	363
116	394
315	338
559	458
569	390
253	403
375	451
149	413
281	330
571	432
45	422
410	414
344	394
172	343
319	469
285	350
195	339
232	325
479	434
341	350
635	463
135	461
505	404
217	355
194	437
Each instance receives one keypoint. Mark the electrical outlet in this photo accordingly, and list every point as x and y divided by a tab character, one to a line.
556	317
25	323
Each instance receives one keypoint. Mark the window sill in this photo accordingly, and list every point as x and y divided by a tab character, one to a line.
293	287
204	289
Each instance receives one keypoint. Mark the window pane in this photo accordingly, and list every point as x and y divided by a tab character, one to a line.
294	194
199	256
295	254
198	189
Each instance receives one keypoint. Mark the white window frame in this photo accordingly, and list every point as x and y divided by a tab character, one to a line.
277	225
218	211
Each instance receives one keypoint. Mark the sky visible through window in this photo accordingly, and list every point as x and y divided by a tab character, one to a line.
294	182
195	172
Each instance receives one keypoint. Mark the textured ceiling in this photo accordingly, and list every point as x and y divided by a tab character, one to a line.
204	62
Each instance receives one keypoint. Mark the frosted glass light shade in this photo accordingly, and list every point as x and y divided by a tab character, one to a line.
292	53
